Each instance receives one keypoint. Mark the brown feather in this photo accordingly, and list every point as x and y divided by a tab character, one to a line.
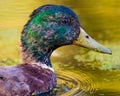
25	79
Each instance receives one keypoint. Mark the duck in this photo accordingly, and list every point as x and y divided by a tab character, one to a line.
48	28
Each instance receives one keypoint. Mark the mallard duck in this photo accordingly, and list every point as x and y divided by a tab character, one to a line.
49	27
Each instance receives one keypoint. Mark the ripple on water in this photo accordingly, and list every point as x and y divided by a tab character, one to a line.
75	84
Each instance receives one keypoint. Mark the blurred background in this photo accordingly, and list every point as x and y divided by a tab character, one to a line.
80	72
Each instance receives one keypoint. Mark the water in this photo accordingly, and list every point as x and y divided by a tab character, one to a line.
93	76
80	72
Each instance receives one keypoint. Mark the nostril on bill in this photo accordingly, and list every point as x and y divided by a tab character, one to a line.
87	36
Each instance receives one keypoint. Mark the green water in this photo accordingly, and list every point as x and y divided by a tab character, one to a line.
80	72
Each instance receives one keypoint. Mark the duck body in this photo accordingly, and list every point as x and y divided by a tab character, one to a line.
49	27
26	79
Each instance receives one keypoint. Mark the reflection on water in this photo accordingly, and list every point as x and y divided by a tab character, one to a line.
77	84
80	72
95	78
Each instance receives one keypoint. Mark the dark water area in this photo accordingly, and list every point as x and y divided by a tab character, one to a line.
80	72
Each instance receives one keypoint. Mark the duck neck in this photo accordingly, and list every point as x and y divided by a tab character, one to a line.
36	56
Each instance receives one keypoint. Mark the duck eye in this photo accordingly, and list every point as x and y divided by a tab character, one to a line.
65	21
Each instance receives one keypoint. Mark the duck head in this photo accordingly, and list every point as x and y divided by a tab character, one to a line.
50	27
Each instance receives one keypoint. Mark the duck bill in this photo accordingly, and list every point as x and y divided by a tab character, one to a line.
84	40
